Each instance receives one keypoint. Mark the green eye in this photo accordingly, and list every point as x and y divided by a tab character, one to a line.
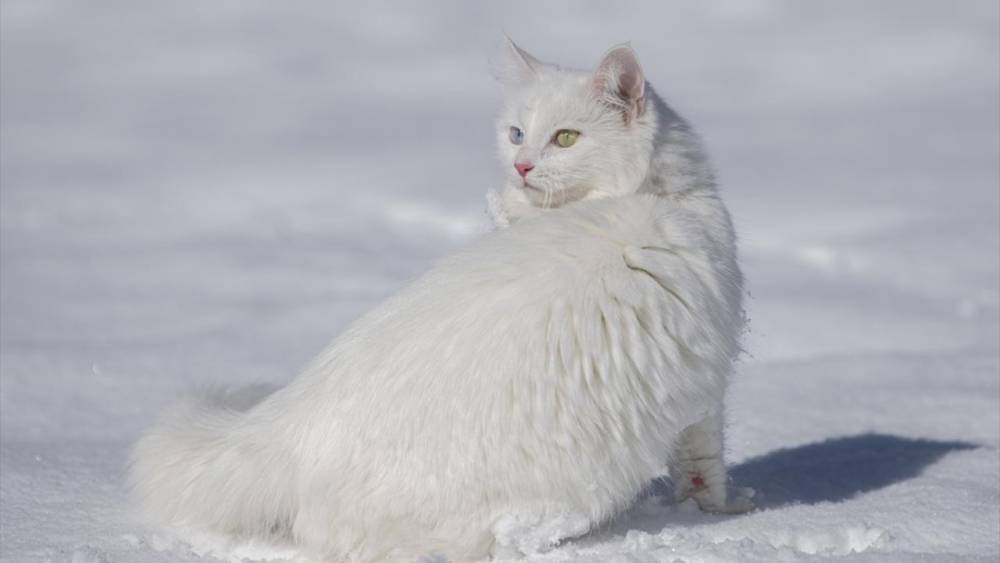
565	138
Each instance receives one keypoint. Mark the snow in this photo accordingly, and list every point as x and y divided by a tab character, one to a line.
206	193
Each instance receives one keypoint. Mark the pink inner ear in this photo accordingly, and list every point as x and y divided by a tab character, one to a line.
619	80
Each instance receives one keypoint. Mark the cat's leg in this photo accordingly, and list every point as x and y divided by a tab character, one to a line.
699	472
508	206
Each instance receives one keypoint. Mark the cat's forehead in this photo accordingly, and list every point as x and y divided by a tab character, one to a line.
558	96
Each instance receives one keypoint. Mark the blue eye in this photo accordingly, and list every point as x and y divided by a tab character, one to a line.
516	136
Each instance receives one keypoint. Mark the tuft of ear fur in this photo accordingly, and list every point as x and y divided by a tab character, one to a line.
619	82
516	67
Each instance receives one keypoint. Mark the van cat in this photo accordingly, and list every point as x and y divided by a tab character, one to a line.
524	390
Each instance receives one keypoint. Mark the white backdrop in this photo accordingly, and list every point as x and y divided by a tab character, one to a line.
198	193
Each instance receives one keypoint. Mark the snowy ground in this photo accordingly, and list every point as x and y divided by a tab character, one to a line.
207	192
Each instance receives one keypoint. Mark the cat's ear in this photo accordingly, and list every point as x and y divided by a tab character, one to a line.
516	67
619	82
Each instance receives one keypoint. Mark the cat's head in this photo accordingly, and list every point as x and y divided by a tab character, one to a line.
567	134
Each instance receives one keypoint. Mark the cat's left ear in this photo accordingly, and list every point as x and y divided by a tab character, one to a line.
619	82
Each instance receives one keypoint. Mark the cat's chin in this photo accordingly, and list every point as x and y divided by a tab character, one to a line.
543	198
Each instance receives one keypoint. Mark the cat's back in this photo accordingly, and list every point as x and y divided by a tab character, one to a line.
483	312
495	310
566	253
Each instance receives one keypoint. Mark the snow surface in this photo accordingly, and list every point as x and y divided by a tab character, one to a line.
200	193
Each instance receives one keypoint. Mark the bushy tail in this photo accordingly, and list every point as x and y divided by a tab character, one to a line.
204	465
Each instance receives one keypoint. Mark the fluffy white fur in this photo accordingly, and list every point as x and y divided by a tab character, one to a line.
524	390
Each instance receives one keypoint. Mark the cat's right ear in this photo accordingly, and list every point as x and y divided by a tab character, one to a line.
516	67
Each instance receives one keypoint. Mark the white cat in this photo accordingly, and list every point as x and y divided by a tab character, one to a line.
525	389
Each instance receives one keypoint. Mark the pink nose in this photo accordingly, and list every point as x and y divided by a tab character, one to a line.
523	168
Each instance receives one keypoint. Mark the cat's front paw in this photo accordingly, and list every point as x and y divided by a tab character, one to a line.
737	501
740	501
496	210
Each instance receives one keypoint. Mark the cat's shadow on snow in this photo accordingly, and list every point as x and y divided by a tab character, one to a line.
835	469
828	471
839	468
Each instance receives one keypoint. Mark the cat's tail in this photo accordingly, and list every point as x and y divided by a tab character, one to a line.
207	464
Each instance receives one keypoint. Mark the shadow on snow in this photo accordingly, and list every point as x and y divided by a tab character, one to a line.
835	469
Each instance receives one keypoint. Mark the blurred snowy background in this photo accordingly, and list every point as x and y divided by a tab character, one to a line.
207	192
